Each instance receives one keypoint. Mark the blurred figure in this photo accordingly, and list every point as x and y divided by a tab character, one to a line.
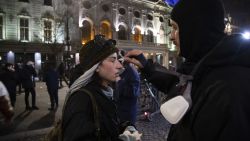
18	68
61	71
5	107
51	78
9	79
28	82
127	92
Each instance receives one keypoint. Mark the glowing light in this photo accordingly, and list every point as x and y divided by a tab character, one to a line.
38	60
83	43
246	35
10	57
77	58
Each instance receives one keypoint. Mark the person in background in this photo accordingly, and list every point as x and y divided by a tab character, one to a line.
99	67
5	107
27	78
10	79
18	67
127	91
218	65
52	81
61	71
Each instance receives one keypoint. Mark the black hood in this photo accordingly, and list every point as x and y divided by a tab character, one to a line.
201	26
233	50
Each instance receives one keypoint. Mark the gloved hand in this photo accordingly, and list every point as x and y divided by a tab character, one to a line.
130	134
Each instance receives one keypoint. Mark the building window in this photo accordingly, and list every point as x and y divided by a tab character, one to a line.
86	32
105	29
1	27
48	2
150	36
47	31
137	35
150	17
161	19
122	35
137	14
105	8
24	0
24	29
122	11
87	5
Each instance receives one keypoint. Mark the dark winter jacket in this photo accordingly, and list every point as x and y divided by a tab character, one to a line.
52	79
128	91
9	79
78	118
27	76
220	95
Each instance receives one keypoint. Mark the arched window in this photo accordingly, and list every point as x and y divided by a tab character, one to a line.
137	35
122	33
150	36
105	29
86	32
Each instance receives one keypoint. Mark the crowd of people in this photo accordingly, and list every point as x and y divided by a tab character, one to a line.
21	78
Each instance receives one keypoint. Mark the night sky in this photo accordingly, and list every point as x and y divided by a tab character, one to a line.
239	10
171	2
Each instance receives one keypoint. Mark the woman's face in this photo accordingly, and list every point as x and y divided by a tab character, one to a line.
109	69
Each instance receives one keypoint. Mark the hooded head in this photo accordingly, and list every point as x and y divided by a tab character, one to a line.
201	26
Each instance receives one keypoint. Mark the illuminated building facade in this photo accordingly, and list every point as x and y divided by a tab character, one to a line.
28	31
41	28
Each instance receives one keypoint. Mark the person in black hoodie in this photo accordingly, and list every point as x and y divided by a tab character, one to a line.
219	65
28	73
9	79
51	78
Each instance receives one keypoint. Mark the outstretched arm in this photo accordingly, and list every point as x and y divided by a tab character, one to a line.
158	75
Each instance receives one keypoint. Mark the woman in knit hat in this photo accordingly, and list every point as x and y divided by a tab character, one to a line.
94	119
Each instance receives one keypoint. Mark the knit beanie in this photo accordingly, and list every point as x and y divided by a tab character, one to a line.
201	26
95	51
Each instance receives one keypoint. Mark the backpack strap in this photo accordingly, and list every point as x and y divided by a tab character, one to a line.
96	112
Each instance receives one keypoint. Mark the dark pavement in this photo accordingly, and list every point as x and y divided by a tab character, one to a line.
33	125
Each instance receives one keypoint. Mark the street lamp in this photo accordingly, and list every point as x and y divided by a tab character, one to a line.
68	46
246	35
